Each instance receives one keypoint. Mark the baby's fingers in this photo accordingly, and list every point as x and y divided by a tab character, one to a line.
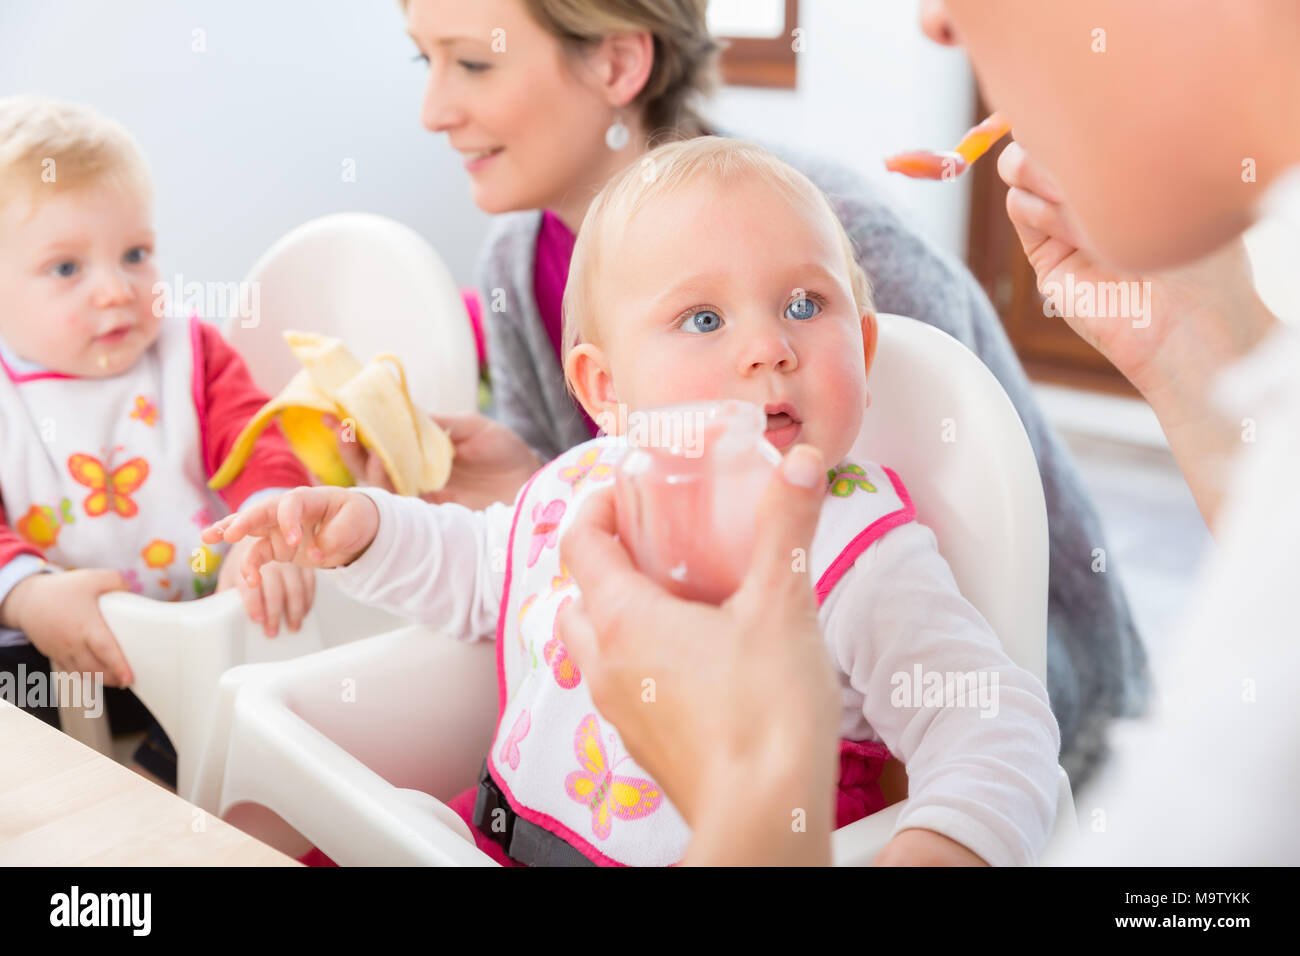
215	532
296	584
263	552
251	595
257	520
273	596
345	533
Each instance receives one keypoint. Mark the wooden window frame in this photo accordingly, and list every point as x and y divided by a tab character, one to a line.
768	62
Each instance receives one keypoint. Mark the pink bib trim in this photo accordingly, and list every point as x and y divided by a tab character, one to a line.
864	540
541	819
505	603
19	378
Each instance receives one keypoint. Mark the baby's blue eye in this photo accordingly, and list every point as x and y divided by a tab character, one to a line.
470	66
65	270
705	320
137	255
804	308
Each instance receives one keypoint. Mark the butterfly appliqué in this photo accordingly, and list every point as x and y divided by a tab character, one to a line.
557	657
847	479
546	528
145	410
607	794
509	754
109	489
587	467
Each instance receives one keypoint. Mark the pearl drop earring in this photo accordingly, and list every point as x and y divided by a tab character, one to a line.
618	135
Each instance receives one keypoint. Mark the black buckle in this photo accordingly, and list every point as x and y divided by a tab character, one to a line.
523	841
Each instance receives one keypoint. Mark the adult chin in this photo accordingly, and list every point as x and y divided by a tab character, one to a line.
495	192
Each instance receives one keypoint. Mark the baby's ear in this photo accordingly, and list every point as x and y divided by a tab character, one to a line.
869	332
587	371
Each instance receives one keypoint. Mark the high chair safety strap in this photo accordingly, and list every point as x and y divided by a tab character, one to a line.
523	841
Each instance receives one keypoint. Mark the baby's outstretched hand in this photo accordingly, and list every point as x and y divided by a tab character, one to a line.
286	591
309	527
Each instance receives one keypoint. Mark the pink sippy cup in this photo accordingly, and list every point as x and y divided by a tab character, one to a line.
687	493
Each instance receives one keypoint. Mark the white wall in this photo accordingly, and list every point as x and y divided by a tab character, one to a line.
870	84
248	139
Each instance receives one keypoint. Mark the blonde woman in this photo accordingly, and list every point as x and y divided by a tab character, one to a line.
547	100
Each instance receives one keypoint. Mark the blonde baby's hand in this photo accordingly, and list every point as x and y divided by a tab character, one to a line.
59	613
916	847
285	593
309	527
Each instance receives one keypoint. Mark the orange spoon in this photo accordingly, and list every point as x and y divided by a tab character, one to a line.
931	164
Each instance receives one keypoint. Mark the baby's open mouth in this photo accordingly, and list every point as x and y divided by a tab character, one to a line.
779	421
783	424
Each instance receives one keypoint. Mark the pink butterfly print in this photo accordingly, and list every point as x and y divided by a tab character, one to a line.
510	749
203	517
586	468
606	793
546	528
557	658
132	581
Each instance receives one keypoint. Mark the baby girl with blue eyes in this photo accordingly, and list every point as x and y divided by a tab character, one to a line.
709	271
113	416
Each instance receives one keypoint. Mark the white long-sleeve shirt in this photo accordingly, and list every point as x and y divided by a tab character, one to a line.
987	781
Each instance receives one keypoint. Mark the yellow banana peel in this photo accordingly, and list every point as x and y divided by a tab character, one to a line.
416	453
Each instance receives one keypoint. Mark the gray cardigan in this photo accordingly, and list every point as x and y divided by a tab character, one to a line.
1096	666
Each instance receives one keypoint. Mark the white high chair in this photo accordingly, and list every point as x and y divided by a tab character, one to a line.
366	780
377	285
380	287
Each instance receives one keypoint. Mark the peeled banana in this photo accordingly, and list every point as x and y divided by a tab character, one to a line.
416	453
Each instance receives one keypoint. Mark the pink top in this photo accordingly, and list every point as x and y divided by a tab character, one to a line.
550	273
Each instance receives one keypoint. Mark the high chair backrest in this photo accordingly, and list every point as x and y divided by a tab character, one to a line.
377	285
940	419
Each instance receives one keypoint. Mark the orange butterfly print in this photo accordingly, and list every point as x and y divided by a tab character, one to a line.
586	468
561	580
145	410
109	490
604	792
557	658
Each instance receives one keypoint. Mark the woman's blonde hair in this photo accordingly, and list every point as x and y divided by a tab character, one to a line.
660	172
49	146
685	53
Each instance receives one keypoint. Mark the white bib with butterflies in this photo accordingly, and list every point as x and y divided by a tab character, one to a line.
109	472
560	763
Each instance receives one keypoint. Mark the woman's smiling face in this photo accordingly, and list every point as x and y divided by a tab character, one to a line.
733	290
528	121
